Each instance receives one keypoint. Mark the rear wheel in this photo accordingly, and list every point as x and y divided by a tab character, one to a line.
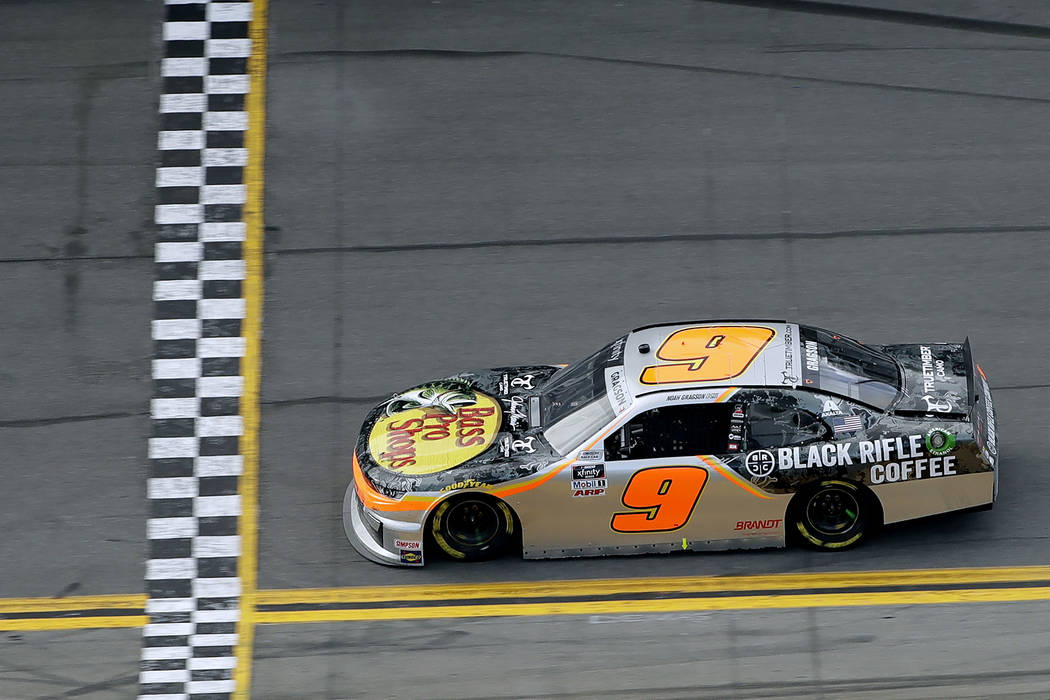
472	527
833	515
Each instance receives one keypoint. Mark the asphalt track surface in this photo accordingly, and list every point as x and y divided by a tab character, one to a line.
451	186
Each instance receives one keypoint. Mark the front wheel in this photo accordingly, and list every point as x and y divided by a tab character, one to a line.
472	528
833	515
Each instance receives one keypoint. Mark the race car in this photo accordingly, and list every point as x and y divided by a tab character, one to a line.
684	436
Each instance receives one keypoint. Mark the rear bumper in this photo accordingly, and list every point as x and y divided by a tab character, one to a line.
381	539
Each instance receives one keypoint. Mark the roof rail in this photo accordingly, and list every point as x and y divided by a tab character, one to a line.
712	320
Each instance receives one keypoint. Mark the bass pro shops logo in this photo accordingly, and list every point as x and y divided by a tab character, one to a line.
434	427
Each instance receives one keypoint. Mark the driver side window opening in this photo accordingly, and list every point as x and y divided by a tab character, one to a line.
672	431
771	426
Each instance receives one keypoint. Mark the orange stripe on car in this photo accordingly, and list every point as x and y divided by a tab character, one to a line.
733	477
528	485
725	394
377	501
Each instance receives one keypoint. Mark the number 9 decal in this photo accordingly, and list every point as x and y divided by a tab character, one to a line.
663	499
707	354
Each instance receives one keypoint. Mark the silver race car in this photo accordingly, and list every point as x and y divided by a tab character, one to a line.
685	436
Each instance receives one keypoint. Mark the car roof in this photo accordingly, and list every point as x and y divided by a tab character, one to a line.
709	354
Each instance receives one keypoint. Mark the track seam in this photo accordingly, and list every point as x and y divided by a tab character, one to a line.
201	341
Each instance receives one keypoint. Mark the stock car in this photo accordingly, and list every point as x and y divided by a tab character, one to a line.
685	436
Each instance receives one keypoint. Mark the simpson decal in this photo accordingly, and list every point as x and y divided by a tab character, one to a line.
408	544
435	430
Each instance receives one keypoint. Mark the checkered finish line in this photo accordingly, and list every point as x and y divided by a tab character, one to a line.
199	306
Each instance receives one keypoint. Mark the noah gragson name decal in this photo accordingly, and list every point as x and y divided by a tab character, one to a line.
891	459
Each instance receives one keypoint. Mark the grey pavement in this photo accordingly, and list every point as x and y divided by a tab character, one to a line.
426	163
78	127
898	652
880	178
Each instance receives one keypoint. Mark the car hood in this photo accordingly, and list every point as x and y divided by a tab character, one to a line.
473	429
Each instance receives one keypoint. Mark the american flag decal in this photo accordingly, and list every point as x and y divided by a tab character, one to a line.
847	424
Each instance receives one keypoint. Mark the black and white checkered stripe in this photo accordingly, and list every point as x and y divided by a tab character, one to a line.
194	452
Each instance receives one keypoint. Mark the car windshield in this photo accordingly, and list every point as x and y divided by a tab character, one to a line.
574	404
842	366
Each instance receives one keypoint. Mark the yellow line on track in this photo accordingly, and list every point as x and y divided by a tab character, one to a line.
930	582
38	624
255	140
620	586
613	607
135	601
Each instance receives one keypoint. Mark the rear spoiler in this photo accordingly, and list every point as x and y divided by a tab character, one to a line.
972	397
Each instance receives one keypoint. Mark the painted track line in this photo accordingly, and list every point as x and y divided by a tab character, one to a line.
666	585
252	368
614	607
568	597
202	481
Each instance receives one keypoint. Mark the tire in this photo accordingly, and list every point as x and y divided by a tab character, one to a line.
833	515
472	527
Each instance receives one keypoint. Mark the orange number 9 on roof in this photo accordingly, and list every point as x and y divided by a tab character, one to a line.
707	354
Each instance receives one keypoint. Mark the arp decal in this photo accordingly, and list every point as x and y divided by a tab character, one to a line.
707	354
424	439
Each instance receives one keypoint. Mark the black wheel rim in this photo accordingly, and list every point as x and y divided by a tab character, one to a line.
472	524
832	511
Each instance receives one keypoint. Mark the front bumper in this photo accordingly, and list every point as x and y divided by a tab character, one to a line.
378	538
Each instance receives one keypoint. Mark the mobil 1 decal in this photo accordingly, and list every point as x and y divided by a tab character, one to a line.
886	460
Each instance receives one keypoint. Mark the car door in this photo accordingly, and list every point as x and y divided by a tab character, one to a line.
638	489
657	480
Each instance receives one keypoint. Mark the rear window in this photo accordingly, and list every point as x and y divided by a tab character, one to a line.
839	365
